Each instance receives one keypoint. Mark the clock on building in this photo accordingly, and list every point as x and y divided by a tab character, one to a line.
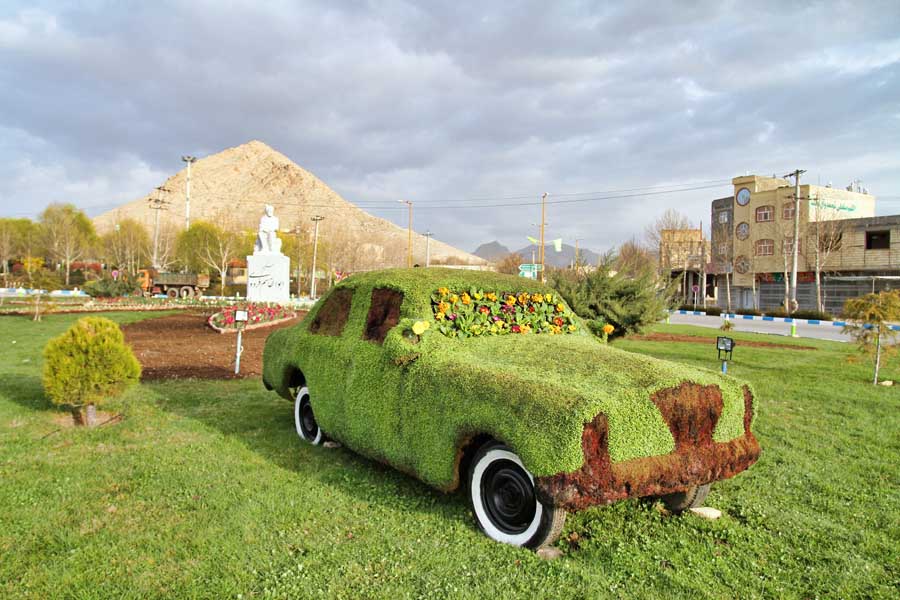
743	196
743	230
742	264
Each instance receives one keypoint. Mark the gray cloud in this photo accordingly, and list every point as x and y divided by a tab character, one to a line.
444	102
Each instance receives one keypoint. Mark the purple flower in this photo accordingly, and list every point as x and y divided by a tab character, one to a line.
451	317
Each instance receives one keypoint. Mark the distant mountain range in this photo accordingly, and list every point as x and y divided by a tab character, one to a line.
494	251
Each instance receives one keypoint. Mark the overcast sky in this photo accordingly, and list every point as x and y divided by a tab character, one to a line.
452	103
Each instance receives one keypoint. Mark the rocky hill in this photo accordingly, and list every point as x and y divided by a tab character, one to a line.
231	189
492	251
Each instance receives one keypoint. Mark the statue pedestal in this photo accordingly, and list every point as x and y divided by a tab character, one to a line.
268	278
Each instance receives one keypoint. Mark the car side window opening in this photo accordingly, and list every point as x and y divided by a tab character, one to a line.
333	314
384	314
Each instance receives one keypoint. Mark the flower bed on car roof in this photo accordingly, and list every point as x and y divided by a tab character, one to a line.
475	313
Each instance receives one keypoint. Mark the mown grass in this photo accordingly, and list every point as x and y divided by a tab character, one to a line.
203	490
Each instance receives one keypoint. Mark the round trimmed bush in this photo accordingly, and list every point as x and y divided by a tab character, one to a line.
88	364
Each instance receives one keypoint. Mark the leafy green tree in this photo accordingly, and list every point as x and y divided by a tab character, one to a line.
628	303
868	322
87	365
68	234
15	238
127	246
205	247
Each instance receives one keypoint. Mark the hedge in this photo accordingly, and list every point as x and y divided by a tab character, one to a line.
416	400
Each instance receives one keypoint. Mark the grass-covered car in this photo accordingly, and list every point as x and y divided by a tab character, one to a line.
489	382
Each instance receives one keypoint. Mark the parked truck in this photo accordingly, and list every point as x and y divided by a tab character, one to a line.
174	285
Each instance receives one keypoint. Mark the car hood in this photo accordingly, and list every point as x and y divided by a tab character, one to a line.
578	377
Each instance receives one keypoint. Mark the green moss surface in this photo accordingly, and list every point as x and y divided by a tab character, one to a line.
414	400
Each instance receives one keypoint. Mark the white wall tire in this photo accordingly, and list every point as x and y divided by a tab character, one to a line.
501	493
304	420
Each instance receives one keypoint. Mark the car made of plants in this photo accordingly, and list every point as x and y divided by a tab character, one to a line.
491	384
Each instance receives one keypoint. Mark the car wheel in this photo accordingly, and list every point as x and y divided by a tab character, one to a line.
690	498
501	492
304	420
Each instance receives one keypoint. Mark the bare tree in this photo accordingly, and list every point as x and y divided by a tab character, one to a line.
165	252
126	246
828	232
69	234
633	259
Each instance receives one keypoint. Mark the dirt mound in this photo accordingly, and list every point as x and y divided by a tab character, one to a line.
696	339
182	346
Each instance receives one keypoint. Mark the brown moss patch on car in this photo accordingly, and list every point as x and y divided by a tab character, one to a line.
332	315
696	460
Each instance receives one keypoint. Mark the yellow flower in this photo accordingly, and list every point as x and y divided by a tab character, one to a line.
443	291
443	307
549	297
560	307
523	298
478	296
454	298
608	329
466	299
420	327
526	328
572	328
537	298
439	316
510	300
491	296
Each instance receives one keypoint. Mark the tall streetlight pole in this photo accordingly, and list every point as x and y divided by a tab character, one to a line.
796	175
299	231
428	235
543	222
187	190
409	252
312	285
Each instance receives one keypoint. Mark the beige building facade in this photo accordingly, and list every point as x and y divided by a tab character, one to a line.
753	237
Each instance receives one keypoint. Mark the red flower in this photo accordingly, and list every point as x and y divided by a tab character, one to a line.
515	329
558	321
484	310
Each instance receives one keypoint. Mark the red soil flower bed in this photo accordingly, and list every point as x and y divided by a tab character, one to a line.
182	346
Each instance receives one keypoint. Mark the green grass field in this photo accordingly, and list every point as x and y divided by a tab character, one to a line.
204	490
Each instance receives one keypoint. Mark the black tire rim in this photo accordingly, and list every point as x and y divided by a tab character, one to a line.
307	420
508	496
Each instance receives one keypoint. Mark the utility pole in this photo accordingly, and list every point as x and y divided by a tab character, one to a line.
299	231
409	252
796	175
157	204
187	190
543	222
428	235
312	285
575	265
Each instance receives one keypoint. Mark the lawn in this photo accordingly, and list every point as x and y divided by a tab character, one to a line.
204	490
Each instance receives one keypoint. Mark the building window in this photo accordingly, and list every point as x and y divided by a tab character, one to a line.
723	216
788	245
787	211
723	250
765	247
765	214
878	240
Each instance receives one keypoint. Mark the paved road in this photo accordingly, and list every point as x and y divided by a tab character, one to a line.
820	332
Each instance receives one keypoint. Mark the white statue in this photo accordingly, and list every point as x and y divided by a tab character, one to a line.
267	241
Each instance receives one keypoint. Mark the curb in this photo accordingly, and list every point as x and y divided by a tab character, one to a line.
775	319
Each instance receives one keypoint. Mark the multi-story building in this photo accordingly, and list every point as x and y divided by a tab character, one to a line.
840	238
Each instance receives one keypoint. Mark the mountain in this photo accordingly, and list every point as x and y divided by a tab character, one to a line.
492	251
231	189
560	259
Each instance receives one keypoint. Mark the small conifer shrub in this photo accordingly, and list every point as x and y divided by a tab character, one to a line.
86	365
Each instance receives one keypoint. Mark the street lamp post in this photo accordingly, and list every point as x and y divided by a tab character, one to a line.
409	252
428	235
312	285
187	190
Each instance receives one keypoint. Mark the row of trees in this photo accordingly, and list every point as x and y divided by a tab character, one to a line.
47	252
